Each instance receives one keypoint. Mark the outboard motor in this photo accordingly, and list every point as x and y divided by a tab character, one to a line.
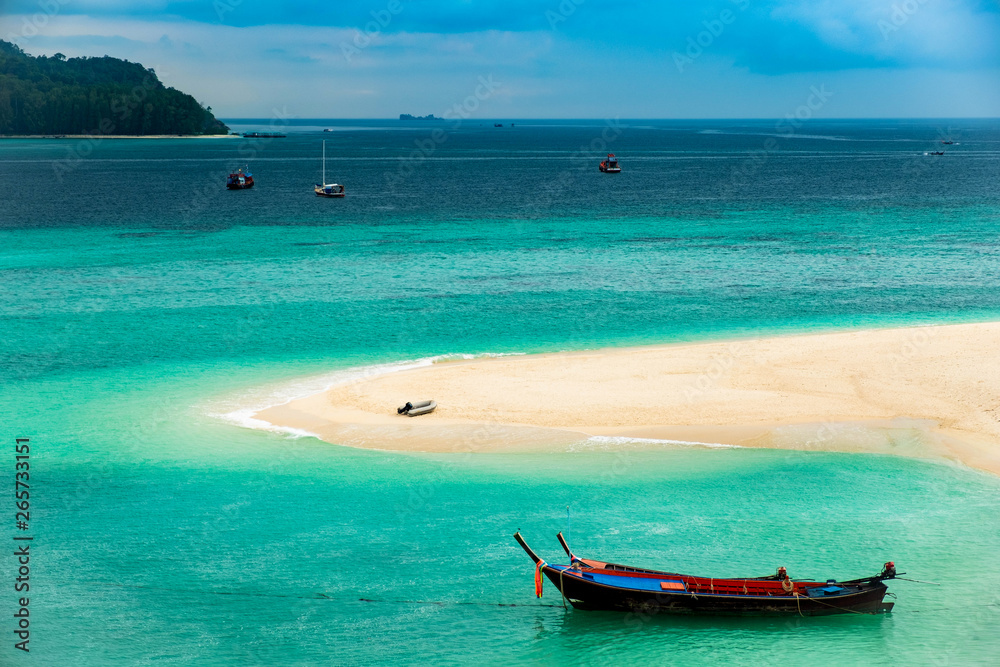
406	408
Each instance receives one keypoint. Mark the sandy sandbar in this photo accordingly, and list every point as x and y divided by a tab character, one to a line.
924	391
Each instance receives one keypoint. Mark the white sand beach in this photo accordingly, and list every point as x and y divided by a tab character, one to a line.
925	391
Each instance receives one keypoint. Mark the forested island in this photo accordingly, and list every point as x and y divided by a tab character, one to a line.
46	95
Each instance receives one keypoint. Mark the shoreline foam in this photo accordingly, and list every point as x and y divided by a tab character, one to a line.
242	410
930	392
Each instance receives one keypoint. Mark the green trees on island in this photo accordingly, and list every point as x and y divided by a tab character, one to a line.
56	95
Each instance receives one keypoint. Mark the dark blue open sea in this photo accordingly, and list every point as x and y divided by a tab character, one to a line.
146	311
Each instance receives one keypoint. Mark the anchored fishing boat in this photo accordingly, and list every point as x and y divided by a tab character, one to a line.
598	585
325	189
239	180
610	166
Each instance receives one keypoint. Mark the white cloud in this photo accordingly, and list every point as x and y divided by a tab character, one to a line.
249	72
939	32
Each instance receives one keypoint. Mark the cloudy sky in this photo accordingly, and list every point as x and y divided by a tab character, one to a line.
546	58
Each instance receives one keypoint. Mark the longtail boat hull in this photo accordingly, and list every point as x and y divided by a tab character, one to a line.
587	595
595	585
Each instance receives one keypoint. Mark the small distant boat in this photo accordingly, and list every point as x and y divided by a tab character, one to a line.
597	585
325	189
497	124
610	166
936	153
416	409
263	135
948	142
327	130
239	180
330	190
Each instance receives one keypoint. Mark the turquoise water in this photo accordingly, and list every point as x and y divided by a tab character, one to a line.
135	319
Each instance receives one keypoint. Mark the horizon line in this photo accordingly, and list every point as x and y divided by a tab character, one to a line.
605	118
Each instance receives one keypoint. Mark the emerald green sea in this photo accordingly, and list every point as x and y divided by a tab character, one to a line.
146	312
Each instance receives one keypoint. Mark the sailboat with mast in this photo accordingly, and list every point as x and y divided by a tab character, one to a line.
325	189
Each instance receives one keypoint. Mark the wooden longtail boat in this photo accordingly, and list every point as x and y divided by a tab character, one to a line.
597	585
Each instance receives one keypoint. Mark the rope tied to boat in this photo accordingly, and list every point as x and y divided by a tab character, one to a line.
827	604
